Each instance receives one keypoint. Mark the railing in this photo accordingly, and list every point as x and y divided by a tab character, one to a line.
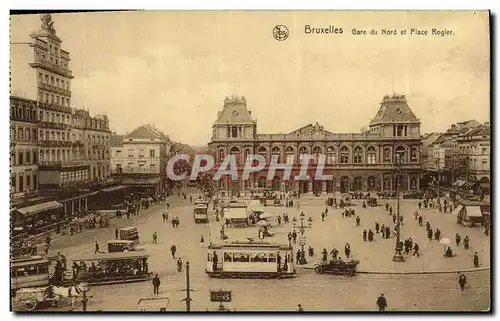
313	137
55	107
479	171
353	166
55	143
52	66
53	88
52	125
60	164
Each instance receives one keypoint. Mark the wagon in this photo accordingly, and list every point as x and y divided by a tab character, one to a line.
29	299
336	267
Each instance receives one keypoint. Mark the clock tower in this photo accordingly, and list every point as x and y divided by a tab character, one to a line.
234	122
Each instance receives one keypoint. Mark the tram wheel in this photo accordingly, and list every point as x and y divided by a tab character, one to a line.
318	270
348	272
29	303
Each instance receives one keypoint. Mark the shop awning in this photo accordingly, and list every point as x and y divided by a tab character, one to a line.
457	210
147	181
30	210
113	188
474	211
235	213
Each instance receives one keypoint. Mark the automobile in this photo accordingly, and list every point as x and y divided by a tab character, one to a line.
371	202
336	267
277	202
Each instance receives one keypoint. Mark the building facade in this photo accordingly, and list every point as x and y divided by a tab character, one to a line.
140	158
72	148
366	161
24	147
475	153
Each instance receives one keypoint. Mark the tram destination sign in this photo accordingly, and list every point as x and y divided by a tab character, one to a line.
220	296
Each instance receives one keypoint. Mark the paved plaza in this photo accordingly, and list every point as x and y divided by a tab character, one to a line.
318	292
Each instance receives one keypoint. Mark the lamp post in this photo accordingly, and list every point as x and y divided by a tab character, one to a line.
398	255
302	229
83	286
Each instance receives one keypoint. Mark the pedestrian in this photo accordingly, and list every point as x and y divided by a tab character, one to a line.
289	238
419	205
156	284
202	241
381	303
155	238
300	308
457	239
420	219
394	218
347	250
401	219
177	222
429	234
322	216
173	222
116	233
462	281
377	227
310	251
364	235
297	256
164	216
215	260
428	225
325	255
173	249
279	220
294	237
364	204
370	235
415	250
358	220
96	248
387	232
466	242
334	254
437	235
476	260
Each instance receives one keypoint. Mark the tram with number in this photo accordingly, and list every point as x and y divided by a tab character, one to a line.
248	259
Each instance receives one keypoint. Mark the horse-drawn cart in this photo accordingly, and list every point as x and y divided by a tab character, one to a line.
29	299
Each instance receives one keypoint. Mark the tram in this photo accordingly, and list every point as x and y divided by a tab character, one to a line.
29	271
113	268
200	213
248	259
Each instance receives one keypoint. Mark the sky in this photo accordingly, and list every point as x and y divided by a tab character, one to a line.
174	69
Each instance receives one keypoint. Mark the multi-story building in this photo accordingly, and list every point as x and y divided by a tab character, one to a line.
95	134
364	161
475	153
24	149
140	158
72	145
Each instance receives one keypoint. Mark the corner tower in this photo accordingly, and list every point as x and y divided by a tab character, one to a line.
395	118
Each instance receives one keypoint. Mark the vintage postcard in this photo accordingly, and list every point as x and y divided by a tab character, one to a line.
250	161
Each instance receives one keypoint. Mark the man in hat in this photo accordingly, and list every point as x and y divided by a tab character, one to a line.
156	284
381	303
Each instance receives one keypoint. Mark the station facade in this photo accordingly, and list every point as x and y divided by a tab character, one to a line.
371	161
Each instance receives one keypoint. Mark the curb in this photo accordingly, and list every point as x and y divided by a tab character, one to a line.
414	272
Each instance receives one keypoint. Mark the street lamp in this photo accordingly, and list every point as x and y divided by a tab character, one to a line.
83	286
398	255
302	229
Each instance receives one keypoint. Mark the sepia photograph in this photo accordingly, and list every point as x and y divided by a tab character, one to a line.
241	161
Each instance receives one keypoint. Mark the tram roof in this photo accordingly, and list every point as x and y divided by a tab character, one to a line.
249	245
29	261
115	256
200	206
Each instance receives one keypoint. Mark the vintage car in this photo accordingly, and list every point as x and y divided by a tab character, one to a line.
371	201
277	202
336	267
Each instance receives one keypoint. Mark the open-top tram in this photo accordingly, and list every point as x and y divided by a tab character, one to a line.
248	259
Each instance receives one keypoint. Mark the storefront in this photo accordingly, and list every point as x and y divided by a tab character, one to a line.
146	186
38	217
76	205
109	197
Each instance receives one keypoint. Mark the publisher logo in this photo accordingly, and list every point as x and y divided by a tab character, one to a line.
280	32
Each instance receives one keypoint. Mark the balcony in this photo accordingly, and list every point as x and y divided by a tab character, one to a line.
55	89
479	172
99	146
77	143
55	143
61	165
45	64
52	125
55	107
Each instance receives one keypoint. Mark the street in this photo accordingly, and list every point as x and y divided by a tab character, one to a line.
404	292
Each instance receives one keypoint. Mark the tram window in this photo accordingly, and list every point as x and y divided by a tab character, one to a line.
241	257
43	268
260	257
227	257
27	270
208	257
272	257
